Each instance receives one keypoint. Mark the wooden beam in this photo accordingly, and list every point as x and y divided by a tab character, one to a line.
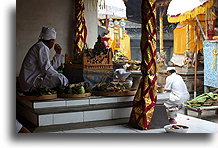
201	28
161	31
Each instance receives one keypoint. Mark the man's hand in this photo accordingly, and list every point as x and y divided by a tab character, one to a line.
166	90
57	48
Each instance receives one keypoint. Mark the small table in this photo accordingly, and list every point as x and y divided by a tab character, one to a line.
200	109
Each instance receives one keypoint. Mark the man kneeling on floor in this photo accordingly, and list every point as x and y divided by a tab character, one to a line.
37	69
178	93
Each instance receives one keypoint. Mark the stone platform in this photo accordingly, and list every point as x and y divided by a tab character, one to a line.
75	113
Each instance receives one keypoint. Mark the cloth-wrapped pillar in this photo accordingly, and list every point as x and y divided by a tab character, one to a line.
81	30
146	96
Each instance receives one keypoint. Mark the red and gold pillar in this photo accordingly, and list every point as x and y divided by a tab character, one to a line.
146	96
81	30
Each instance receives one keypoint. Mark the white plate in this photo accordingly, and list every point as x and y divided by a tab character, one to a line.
169	129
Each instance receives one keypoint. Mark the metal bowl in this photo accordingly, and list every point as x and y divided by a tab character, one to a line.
176	128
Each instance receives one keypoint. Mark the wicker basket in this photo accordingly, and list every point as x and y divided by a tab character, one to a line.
34	98
74	95
115	94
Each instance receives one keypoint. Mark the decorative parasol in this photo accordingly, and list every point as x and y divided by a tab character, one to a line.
111	8
186	11
182	10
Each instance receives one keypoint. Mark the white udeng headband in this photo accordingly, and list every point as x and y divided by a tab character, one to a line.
171	68
47	33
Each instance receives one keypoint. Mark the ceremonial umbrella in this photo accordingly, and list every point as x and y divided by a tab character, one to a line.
111	8
182	10
185	11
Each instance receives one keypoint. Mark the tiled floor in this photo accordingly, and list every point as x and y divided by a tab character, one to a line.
195	126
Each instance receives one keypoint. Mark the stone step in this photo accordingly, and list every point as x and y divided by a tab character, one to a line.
61	102
72	126
66	111
62	115
67	102
82	111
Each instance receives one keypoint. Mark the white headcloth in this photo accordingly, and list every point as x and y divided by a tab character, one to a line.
47	33
171	68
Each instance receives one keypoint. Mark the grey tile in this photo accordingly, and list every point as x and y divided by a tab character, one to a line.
45	120
63	118
77	102
97	115
122	112
160	130
115	129
125	99
206	127
197	130
58	132
140	131
85	130
48	104
134	129
103	100
197	125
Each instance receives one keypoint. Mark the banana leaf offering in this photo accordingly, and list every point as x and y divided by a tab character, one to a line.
111	87
206	99
79	88
37	91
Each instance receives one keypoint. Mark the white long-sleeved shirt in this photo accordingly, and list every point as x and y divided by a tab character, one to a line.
179	92
37	65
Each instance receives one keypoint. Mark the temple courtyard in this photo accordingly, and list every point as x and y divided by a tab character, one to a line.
195	126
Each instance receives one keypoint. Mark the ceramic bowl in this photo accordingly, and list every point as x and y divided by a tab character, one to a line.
176	128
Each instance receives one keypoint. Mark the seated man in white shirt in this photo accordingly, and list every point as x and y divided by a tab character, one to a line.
37	69
178	93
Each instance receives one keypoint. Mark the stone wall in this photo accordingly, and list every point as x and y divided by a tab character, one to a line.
60	14
32	15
